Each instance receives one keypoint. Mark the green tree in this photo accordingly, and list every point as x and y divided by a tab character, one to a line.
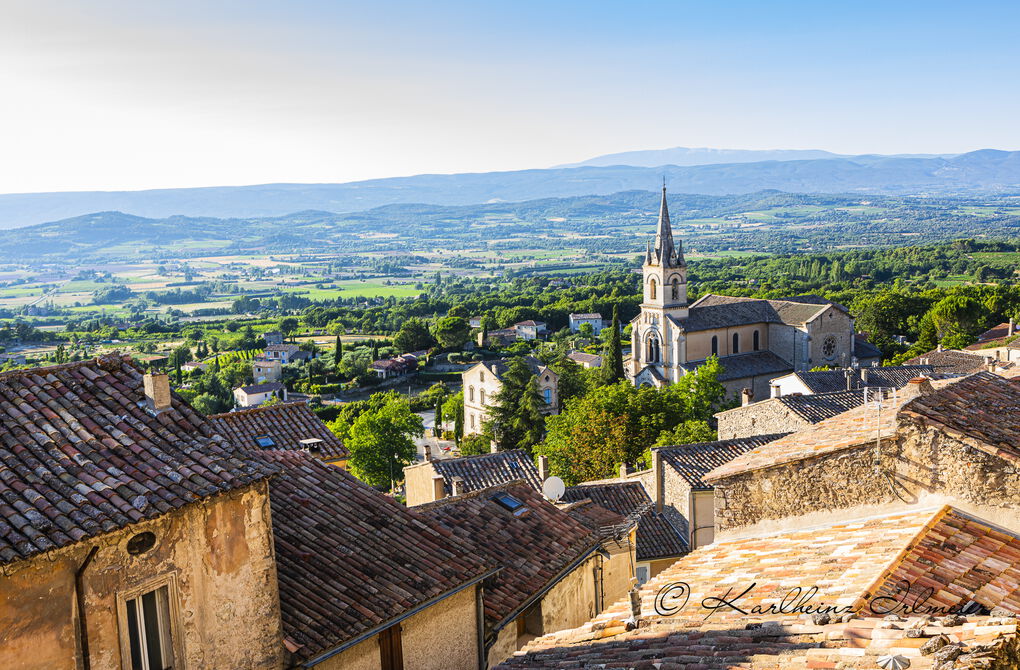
453	409
612	357
476	444
338	352
288	326
506	415
380	441
452	332
414	335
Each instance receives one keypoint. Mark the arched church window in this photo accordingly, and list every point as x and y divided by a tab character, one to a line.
715	345
651	289
736	343
652	350
756	341
676	288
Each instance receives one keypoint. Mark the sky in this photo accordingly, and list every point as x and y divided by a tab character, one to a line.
112	95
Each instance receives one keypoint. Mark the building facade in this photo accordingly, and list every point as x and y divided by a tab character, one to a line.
482	383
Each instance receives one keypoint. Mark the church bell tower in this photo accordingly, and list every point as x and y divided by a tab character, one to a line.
665	271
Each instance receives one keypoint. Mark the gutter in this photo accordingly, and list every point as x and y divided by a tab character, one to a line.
79	597
386	624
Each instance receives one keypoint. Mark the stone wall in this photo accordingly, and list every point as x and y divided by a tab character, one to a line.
759	418
216	556
835	323
927	467
571	601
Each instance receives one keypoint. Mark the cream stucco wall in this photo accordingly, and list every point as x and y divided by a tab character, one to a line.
418	483
481	387
218	557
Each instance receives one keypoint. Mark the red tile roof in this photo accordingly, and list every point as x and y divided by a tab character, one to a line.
350	559
286	424
533	548
80	455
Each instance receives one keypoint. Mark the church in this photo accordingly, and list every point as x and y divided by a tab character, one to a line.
756	340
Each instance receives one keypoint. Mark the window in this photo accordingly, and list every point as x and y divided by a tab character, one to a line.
829	347
642	574
715	345
509	502
472	420
756	341
676	288
391	649
481	377
736	343
652	350
148	628
548	396
651	289
481	395
264	441
471	394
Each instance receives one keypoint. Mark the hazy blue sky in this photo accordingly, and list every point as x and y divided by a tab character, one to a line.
121	95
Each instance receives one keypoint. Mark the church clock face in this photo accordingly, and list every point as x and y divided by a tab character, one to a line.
829	347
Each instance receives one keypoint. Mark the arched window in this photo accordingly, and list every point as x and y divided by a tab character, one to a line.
651	289
736	343
676	288
481	395
715	345
471	394
756	341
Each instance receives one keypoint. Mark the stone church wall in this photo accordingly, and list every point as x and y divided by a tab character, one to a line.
832	323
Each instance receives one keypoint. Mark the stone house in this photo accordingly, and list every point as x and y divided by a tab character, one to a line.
433	480
285	353
284	426
133	535
266	370
551	566
496	338
755	340
530	330
586	361
830	381
482	384
254	395
594	318
787	413
956	444
858	567
272	337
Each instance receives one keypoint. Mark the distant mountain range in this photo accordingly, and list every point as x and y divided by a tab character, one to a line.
985	171
683	156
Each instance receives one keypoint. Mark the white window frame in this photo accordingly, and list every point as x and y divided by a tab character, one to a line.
174	627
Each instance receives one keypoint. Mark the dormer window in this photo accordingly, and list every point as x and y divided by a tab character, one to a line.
312	445
264	441
510	503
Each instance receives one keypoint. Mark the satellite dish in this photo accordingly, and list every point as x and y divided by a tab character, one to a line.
554	488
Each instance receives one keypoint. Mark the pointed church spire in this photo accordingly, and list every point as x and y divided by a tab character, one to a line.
664	249
648	254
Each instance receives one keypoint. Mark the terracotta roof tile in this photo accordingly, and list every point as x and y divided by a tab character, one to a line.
693	461
80	455
286	424
479	472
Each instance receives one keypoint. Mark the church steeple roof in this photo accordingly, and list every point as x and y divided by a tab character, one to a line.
665	251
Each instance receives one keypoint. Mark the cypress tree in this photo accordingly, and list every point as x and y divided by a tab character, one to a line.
612	357
338	352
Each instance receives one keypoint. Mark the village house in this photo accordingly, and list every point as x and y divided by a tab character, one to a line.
496	338
254	395
789	413
552	568
586	361
594	319
272	338
475	322
435	479
285	353
958	444
846	379
399	366
266	370
530	330
283	426
858	568
191	366
482	384
755	340
132	534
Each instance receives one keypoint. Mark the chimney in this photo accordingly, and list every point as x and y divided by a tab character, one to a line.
428	452
457	484
746	397
1012	327
849	379
989	363
657	479
916	387
543	468
865	376
624	470
777	392
939	348
157	391
493	447
438	487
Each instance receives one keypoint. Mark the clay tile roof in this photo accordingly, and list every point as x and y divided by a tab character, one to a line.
479	472
693	461
589	315
751	364
830	381
597	517
950	362
849	563
80	455
821	406
288	348
719	311
657	537
983	407
534	548
581	357
263	388
349	558
286	424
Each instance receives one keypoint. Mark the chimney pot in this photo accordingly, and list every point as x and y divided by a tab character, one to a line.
543	468
157	391
457	484
939	348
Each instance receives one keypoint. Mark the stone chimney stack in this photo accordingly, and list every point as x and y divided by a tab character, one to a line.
865	376
746	397
493	447
543	468
658	485
777	391
428	452
457	484
438	487
939	348
849	374
916	387
1012	327
157	391
624	470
